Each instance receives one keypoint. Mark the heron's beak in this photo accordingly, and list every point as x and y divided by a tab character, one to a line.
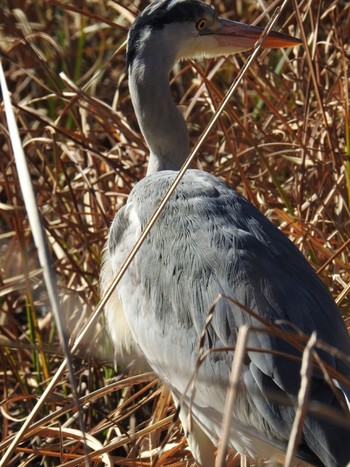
244	36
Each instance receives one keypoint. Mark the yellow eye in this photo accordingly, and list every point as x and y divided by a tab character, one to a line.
201	24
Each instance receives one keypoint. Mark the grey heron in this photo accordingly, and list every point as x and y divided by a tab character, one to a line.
210	240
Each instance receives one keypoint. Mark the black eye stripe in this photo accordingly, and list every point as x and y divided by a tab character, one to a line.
158	14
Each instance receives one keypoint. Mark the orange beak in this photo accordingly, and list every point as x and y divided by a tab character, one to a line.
245	36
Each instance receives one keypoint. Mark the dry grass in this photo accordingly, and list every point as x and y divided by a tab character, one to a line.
284	142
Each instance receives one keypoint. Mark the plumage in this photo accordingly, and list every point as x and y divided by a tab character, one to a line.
209	240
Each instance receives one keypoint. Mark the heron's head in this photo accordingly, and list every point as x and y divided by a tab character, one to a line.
171	30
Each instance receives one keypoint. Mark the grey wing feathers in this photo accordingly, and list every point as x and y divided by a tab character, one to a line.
209	234
209	240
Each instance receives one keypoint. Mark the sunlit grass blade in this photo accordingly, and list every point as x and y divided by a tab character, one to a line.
39	237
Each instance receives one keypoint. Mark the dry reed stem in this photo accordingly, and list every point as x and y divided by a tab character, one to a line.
283	141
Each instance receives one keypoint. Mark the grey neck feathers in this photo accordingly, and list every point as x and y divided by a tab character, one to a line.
160	121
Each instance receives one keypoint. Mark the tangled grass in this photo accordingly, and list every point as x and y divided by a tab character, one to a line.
283	141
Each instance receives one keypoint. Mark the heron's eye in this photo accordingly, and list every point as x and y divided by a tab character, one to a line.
201	24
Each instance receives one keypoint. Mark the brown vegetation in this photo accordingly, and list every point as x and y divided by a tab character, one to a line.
283	141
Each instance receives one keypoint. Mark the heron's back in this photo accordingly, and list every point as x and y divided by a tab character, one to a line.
209	240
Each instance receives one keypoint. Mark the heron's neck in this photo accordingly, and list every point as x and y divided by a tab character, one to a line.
161	122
